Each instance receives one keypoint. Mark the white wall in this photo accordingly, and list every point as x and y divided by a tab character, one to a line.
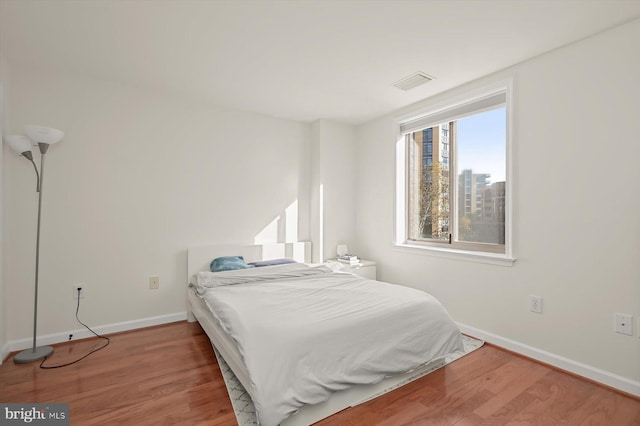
138	178
576	203
333	188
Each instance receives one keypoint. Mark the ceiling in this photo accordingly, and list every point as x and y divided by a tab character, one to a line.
302	60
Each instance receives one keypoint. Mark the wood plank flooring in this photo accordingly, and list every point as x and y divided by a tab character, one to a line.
168	375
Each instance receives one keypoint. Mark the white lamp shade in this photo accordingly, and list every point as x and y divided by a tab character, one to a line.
41	134
19	143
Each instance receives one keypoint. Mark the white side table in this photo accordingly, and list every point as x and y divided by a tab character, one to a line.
365	269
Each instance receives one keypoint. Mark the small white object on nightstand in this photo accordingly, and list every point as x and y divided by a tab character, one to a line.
365	269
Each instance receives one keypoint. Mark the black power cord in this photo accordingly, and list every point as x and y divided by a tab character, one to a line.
86	355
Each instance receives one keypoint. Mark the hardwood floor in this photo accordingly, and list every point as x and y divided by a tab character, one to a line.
168	375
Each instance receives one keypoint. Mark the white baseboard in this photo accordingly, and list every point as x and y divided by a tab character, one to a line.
50	339
601	376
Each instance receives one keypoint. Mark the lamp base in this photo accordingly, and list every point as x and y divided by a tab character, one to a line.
30	355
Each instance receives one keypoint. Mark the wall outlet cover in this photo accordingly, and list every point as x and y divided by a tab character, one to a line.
154	282
535	304
83	292
624	324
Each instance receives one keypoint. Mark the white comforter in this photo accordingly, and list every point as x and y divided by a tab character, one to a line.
307	332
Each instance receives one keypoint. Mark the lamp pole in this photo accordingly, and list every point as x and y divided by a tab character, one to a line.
36	353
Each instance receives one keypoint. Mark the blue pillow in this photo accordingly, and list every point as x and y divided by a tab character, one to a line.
272	262
228	263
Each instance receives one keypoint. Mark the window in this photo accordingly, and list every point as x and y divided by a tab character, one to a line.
453	178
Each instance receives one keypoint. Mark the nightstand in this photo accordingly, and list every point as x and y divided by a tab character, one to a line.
366	268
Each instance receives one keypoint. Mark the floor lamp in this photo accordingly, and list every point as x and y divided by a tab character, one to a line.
43	137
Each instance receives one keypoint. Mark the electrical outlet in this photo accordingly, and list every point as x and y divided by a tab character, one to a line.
83	290
535	304
624	324
154	282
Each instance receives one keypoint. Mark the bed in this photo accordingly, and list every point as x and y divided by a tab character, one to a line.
307	341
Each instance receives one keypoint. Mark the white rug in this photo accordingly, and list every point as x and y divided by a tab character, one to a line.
243	406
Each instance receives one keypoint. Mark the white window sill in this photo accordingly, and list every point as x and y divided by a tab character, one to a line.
448	253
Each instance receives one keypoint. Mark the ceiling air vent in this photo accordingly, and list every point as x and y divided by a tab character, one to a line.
413	80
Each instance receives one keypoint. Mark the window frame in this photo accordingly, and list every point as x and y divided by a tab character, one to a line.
432	113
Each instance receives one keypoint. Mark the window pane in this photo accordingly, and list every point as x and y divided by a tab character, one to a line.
429	206
481	159
479	142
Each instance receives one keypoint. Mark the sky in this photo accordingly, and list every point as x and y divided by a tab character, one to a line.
482	143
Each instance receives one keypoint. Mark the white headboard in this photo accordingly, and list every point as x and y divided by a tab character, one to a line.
199	258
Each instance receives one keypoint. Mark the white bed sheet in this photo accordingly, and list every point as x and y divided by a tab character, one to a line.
219	338
309	414
352	331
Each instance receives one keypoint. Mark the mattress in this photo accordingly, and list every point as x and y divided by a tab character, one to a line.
316	352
